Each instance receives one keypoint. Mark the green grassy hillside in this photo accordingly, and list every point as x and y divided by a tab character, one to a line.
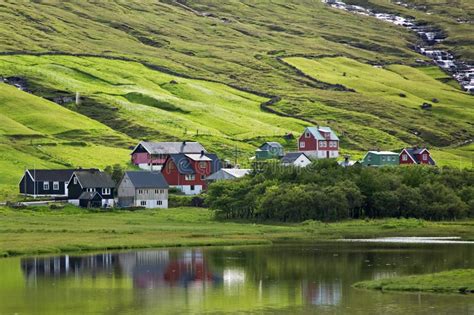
239	46
38	133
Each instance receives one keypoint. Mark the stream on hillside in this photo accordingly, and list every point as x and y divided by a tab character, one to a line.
429	36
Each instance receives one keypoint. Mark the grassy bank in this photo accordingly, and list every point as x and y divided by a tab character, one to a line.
454	281
41	230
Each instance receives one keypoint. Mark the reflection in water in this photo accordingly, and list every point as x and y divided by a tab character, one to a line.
323	293
288	279
149	269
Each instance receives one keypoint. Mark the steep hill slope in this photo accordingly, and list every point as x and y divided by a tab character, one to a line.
38	133
170	51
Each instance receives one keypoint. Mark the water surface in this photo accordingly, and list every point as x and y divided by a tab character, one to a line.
284	279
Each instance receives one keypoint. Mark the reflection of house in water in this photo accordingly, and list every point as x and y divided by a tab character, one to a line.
63	266
322	293
148	269
377	275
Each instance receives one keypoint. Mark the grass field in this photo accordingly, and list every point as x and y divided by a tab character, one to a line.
453	281
41	230
38	133
451	16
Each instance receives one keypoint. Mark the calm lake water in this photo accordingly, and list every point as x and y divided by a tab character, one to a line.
286	279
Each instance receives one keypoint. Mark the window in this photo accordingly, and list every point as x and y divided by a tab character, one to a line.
91	189
323	144
203	177
404	157
143	203
383	158
75	180
307	135
425	156
202	164
46	185
157	191
369	158
302	144
333	144
189	177
192	187
55	185
105	191
159	202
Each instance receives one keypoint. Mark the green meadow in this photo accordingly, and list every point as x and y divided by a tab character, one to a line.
453	281
42	230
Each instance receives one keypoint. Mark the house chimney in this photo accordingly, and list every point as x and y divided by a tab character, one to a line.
346	158
202	153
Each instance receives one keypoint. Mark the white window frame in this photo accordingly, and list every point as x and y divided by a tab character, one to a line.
383	158
143	203
55	185
45	185
307	135
302	144
159	203
75	180
90	189
404	157
424	156
190	177
105	191
323	144
192	187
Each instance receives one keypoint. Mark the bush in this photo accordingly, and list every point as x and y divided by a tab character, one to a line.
175	201
325	191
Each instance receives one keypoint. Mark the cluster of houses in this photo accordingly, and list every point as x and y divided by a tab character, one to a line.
189	168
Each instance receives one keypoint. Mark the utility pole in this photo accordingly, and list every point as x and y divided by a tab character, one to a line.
78	99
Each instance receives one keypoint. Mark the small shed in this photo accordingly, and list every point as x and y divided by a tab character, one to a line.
296	159
228	174
380	158
269	150
90	200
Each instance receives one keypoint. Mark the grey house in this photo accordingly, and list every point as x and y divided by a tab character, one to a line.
143	189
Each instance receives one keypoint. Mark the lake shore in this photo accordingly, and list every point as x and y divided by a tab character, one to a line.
40	230
453	281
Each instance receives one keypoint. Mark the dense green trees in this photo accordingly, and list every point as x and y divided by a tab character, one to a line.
324	191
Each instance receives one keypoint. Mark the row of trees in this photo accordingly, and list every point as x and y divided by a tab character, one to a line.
325	191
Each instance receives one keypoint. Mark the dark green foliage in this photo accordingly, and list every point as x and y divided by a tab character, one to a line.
116	172
324	191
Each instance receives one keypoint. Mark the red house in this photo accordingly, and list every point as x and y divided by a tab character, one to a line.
416	156
152	155
188	172
319	142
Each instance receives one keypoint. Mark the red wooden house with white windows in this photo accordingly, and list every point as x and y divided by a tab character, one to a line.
152	155
416	156
188	172
319	142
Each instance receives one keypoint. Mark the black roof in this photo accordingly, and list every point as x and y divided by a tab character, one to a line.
87	195
144	179
94	179
52	175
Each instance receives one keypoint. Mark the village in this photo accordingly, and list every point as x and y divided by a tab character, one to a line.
188	168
